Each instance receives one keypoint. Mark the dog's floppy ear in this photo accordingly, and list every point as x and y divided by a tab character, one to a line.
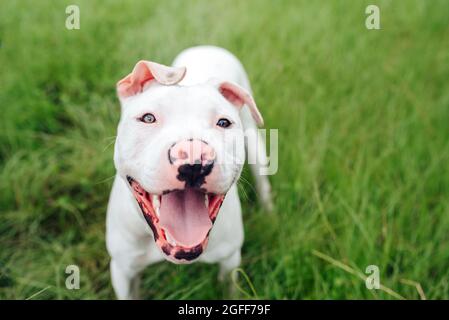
145	71
238	96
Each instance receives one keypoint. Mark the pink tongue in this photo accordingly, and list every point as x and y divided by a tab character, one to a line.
185	217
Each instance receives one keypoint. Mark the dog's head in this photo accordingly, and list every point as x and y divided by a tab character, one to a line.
180	148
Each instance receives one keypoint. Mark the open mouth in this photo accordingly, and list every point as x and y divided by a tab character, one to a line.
181	220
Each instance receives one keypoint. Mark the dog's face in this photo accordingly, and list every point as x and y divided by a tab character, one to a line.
180	150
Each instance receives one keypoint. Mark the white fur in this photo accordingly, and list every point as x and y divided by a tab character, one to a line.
129	239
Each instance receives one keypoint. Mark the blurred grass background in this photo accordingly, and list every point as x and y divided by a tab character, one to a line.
363	130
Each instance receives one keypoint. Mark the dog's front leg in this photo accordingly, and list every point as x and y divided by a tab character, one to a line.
125	282
229	264
226	267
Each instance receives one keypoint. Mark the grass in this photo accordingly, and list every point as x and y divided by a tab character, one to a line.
363	144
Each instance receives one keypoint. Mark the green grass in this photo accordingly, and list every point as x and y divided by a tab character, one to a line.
363	154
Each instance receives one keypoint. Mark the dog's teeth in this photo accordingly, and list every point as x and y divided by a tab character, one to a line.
206	201
170	240
158	213
156	202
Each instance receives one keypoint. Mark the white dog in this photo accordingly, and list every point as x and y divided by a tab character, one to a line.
178	156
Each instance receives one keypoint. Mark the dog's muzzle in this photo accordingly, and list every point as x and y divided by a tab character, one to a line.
193	159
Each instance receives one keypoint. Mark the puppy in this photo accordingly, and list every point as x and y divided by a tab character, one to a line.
179	152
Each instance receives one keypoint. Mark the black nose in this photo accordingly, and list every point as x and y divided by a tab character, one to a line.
194	174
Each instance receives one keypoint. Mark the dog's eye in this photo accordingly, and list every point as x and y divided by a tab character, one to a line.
224	123
148	118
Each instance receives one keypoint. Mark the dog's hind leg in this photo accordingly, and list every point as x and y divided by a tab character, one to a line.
263	186
257	159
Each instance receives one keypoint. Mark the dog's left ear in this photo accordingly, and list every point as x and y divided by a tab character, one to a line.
238	96
145	71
